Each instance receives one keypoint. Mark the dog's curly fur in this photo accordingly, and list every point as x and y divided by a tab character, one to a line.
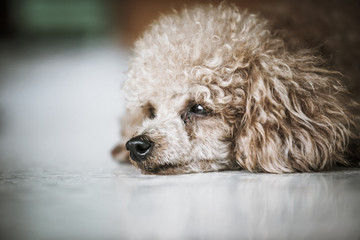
266	108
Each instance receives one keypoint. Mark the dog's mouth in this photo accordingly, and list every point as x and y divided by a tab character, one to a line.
161	169
183	168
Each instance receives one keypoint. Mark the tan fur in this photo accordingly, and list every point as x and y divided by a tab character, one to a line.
270	109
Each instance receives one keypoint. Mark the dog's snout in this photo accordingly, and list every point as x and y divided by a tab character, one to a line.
140	147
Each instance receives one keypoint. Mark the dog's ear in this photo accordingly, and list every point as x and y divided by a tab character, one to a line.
296	116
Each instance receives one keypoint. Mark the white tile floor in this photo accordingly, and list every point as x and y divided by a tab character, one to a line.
58	121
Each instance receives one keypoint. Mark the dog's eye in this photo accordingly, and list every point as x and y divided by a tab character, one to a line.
152	113
198	109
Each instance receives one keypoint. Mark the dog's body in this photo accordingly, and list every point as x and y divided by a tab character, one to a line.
214	88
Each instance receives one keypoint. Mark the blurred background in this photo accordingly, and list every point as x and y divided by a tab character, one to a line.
62	63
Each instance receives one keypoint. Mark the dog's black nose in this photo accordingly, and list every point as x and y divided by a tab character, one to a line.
140	147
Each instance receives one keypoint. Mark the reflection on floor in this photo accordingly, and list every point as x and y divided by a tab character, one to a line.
58	114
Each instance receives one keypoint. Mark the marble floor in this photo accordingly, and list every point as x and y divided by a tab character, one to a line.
59	110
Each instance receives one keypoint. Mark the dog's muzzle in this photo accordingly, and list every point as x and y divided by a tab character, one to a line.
140	147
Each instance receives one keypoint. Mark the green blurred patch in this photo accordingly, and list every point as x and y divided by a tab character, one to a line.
61	17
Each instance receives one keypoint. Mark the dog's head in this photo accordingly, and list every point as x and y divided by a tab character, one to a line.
212	88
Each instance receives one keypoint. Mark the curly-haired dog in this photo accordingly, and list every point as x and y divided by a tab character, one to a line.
214	88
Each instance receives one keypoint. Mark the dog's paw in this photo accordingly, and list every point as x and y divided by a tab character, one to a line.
120	154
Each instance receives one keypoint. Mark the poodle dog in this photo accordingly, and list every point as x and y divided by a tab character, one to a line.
214	88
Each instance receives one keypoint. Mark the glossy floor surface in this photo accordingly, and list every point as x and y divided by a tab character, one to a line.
59	109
